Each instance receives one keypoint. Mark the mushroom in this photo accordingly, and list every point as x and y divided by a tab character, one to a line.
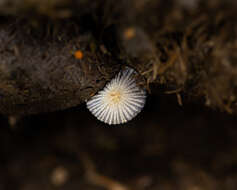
120	100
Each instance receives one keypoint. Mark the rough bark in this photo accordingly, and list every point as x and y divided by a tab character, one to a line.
187	49
41	75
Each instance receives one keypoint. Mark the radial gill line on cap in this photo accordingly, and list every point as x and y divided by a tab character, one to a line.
120	100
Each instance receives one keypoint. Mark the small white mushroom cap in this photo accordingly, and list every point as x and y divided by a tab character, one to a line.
120	100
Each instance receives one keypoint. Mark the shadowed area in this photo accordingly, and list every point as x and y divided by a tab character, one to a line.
165	146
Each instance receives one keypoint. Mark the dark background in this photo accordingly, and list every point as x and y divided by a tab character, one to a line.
165	147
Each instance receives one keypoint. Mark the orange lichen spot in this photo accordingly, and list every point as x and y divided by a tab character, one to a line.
78	54
129	33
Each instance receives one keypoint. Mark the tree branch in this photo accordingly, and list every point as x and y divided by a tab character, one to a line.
189	50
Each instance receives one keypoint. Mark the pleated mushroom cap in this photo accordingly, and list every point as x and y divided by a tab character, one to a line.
120	100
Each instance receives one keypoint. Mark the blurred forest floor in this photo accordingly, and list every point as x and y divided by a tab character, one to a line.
165	147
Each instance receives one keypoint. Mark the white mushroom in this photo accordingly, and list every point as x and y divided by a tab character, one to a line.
120	100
